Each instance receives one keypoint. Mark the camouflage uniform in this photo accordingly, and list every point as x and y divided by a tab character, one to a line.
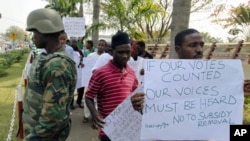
50	89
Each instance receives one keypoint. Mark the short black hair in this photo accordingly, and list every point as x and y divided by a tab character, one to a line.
104	41
179	38
90	42
120	38
141	44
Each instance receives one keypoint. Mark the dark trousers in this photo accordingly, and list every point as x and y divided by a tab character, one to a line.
80	92
104	138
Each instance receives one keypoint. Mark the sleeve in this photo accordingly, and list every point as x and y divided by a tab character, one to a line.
53	117
97	64
101	61
94	86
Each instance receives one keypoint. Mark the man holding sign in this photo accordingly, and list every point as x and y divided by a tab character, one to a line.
188	45
111	84
187	48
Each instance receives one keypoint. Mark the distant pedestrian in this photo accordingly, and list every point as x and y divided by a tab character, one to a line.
80	91
89	48
142	52
102	45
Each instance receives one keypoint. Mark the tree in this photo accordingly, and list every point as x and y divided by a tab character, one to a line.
237	20
233	16
96	14
159	23
21	35
141	18
81	9
241	21
125	15
65	7
180	21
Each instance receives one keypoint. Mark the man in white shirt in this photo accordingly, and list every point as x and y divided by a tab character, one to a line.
102	45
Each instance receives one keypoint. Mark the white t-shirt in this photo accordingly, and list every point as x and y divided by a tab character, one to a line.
69	50
103	60
94	55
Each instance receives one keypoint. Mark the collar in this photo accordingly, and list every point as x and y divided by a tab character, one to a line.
115	69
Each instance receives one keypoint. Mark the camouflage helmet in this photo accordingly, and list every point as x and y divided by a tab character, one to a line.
45	21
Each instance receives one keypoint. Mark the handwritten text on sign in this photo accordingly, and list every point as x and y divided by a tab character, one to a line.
124	123
74	26
192	98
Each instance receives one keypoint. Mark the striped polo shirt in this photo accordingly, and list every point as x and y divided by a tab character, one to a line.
111	86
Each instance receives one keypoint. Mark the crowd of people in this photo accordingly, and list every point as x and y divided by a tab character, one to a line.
49	95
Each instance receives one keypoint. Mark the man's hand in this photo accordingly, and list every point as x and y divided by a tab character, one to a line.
142	72
97	122
137	101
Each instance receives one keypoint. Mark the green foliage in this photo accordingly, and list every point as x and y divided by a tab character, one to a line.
241	14
65	7
8	85
237	20
247	110
127	16
2	72
9	58
21	35
247	100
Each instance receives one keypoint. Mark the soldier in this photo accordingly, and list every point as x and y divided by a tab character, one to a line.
51	81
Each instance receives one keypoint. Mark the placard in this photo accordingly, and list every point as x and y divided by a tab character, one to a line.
192	99
124	123
74	26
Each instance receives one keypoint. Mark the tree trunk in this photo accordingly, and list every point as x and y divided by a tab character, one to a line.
81	10
96	13
180	21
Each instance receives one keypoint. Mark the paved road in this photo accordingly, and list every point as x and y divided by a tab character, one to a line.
81	131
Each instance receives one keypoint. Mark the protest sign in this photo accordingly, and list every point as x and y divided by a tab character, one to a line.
74	26
87	70
76	58
137	66
192	99
124	123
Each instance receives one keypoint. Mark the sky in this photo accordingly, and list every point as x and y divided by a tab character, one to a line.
15	12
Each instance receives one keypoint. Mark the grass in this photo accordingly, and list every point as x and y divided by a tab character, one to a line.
8	86
247	111
246	119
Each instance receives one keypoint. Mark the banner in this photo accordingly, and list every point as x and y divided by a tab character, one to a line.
192	99
124	123
74	26
185	100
